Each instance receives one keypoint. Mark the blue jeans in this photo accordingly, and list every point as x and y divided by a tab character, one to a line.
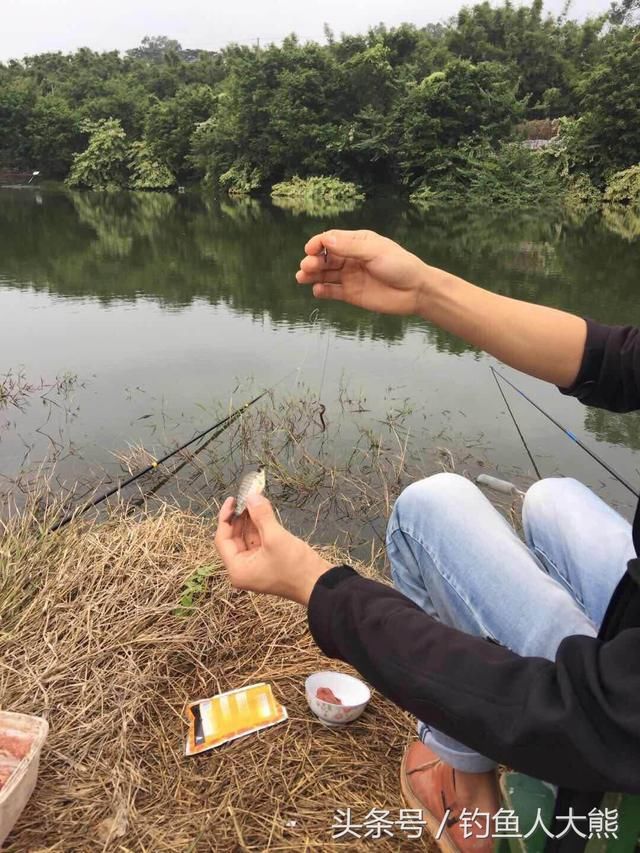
457	557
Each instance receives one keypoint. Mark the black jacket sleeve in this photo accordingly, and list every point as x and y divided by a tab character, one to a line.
574	721
609	375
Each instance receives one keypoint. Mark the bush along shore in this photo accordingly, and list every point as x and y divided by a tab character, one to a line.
506	175
451	109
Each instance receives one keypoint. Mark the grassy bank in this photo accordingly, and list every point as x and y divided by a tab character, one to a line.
94	639
109	626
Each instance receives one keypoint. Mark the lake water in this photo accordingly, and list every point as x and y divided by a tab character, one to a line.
155	312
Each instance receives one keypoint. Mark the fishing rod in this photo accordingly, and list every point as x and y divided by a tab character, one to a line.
563	429
121	484
220	426
172	473
517	426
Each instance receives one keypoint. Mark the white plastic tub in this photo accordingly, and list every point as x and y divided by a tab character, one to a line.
14	795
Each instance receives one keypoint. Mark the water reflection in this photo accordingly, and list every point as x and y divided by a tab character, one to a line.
316	207
176	249
220	265
118	219
624	221
616	429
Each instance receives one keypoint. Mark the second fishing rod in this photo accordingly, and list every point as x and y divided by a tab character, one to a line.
572	436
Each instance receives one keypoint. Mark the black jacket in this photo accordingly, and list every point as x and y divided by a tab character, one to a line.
574	721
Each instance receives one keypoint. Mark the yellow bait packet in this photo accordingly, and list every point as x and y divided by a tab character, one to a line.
228	716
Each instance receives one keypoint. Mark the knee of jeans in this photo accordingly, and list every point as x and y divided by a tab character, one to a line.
421	510
540	505
429	498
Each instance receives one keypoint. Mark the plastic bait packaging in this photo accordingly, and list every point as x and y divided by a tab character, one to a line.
228	716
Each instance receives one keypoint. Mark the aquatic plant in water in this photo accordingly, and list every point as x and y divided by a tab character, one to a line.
317	187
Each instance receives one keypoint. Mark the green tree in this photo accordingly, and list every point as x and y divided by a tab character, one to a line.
608	135
146	172
103	164
53	136
624	187
364	146
155	49
462	102
17	97
170	124
276	112
543	51
120	98
625	13
370	78
392	105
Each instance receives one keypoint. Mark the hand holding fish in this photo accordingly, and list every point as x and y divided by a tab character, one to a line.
364	269
261	556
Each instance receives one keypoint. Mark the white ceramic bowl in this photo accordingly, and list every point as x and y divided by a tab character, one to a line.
353	693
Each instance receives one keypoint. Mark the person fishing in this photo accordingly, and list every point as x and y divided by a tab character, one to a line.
523	653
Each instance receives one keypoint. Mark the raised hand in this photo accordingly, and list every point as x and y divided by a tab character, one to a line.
364	269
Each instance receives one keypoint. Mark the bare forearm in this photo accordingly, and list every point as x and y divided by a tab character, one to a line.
540	341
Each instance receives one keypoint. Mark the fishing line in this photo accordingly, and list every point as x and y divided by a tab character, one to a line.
322	408
220	426
324	364
313	318
515	423
325	252
566	431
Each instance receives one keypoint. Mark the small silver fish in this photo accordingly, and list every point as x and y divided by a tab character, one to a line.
252	483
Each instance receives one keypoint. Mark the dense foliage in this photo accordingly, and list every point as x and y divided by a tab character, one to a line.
146	172
109	162
316	196
431	109
316	188
103	164
624	187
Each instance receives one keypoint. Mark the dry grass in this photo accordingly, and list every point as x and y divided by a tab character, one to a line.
90	638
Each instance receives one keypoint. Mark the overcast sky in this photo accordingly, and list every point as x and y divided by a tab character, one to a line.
36	26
